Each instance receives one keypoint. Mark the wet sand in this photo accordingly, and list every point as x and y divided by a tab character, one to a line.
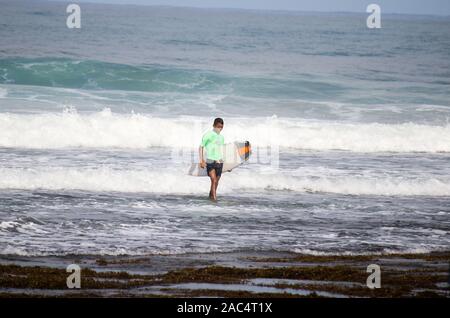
240	274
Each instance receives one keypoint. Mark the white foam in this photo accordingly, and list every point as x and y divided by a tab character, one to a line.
385	251
8	225
24	250
3	92
107	129
176	182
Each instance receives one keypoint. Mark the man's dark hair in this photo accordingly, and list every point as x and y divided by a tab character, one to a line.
218	121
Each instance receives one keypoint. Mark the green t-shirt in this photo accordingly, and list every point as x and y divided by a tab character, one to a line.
212	142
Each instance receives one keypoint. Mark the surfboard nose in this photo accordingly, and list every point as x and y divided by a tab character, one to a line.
245	150
248	150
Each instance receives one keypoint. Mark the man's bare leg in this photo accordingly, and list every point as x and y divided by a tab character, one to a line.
212	192
217	183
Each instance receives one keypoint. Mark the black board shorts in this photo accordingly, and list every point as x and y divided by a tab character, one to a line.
215	166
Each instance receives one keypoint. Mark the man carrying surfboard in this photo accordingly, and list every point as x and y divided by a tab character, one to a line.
213	142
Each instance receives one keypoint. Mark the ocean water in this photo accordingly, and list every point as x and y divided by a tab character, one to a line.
349	126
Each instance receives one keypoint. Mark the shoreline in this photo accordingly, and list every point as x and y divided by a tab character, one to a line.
234	274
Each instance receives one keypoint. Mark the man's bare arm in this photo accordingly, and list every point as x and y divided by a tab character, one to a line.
200	155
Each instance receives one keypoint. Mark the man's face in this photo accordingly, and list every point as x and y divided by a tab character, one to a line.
218	128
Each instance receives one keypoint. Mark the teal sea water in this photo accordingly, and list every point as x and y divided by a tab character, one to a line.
349	125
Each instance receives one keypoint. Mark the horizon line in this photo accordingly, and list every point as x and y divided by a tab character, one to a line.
249	9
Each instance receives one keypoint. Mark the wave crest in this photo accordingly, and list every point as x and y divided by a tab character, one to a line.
177	182
106	129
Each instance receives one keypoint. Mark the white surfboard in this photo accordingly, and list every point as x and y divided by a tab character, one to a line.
233	154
